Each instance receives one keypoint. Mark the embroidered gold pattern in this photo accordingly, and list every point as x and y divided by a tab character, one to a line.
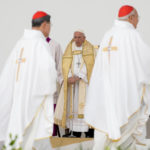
18	62
110	48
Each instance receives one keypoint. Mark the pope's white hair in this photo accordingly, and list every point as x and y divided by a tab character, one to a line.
81	31
127	16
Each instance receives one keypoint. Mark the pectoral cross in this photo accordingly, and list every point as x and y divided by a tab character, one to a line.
18	62
110	48
78	63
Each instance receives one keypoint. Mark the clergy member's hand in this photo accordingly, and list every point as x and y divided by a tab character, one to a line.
77	78
71	80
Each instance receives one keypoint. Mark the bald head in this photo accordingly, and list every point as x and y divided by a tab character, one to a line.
79	38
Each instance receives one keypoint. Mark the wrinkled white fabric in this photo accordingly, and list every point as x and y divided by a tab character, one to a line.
22	100
116	85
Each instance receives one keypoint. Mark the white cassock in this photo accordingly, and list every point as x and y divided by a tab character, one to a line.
119	88
77	124
57	54
26	92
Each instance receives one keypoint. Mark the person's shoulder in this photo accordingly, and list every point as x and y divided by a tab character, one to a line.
44	48
131	32
43	42
124	32
54	43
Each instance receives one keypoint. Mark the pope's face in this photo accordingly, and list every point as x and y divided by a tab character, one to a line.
79	38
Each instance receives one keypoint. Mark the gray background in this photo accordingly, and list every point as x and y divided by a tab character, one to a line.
95	17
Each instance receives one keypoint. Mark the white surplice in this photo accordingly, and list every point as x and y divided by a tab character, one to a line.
26	92
57	54
79	70
120	80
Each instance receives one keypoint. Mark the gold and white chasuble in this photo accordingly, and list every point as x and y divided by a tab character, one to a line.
77	61
26	93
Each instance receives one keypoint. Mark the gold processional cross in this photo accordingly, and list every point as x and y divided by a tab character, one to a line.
110	48
18	62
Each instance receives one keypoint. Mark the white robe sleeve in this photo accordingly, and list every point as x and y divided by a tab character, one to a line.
58	60
83	73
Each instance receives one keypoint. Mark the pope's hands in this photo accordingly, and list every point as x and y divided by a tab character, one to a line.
73	80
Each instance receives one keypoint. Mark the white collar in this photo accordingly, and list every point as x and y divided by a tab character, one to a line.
29	33
123	24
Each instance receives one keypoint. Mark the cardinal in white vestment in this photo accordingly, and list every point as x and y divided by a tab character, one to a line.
57	54
77	64
118	99
28	83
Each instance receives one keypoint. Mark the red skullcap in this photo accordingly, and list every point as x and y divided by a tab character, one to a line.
125	10
39	14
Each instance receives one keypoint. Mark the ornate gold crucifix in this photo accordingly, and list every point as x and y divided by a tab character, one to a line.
18	62
110	48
